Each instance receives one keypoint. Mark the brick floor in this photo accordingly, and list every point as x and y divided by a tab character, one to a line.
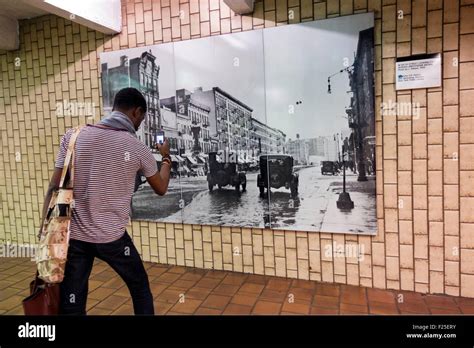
181	290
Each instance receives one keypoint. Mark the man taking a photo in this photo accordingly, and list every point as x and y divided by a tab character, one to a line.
108	156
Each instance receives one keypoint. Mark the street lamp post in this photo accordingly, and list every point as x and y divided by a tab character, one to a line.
338	152
298	146
344	202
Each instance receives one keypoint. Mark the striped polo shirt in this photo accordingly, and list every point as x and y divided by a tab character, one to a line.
106	164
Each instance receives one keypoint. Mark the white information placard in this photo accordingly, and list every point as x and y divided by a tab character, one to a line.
419	71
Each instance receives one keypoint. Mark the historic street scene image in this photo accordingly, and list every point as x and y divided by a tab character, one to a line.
268	128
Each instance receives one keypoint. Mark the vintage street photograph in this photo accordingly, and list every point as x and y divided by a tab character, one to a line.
267	128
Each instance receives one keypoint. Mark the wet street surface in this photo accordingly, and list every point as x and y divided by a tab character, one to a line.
314	209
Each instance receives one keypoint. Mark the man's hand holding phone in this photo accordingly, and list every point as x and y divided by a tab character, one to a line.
163	148
162	144
159	182
160	137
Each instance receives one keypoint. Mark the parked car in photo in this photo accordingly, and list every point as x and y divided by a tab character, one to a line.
328	167
192	173
224	173
277	171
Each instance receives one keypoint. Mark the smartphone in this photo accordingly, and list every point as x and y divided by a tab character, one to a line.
160	137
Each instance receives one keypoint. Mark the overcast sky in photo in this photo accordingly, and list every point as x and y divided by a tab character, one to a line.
269	70
299	59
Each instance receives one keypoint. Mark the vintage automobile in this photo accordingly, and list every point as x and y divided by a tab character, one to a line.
328	167
277	171
223	173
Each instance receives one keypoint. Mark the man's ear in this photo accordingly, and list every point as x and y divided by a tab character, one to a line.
135	115
138	112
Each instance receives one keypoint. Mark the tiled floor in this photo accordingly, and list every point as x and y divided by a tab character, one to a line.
183	290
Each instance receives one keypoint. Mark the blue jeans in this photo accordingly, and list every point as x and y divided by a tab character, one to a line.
122	256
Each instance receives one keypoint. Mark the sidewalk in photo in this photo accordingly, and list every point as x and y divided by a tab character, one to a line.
362	218
223	292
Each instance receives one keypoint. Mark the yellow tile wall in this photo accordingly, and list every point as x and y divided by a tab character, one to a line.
425	164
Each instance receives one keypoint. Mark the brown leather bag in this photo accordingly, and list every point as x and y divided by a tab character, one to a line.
51	253
44	298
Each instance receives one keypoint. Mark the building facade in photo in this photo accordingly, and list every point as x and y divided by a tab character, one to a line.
141	73
229	119
299	149
192	122
265	139
361	113
169	124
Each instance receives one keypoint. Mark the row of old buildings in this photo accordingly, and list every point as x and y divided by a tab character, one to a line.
204	121
196	122
208	121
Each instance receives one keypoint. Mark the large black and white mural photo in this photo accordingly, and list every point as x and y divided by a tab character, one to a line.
270	128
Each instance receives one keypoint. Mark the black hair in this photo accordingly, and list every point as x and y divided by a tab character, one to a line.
128	98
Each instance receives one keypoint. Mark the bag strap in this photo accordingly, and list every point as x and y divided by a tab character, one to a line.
72	165
69	159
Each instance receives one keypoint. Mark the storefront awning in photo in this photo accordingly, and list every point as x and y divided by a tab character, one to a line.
191	159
